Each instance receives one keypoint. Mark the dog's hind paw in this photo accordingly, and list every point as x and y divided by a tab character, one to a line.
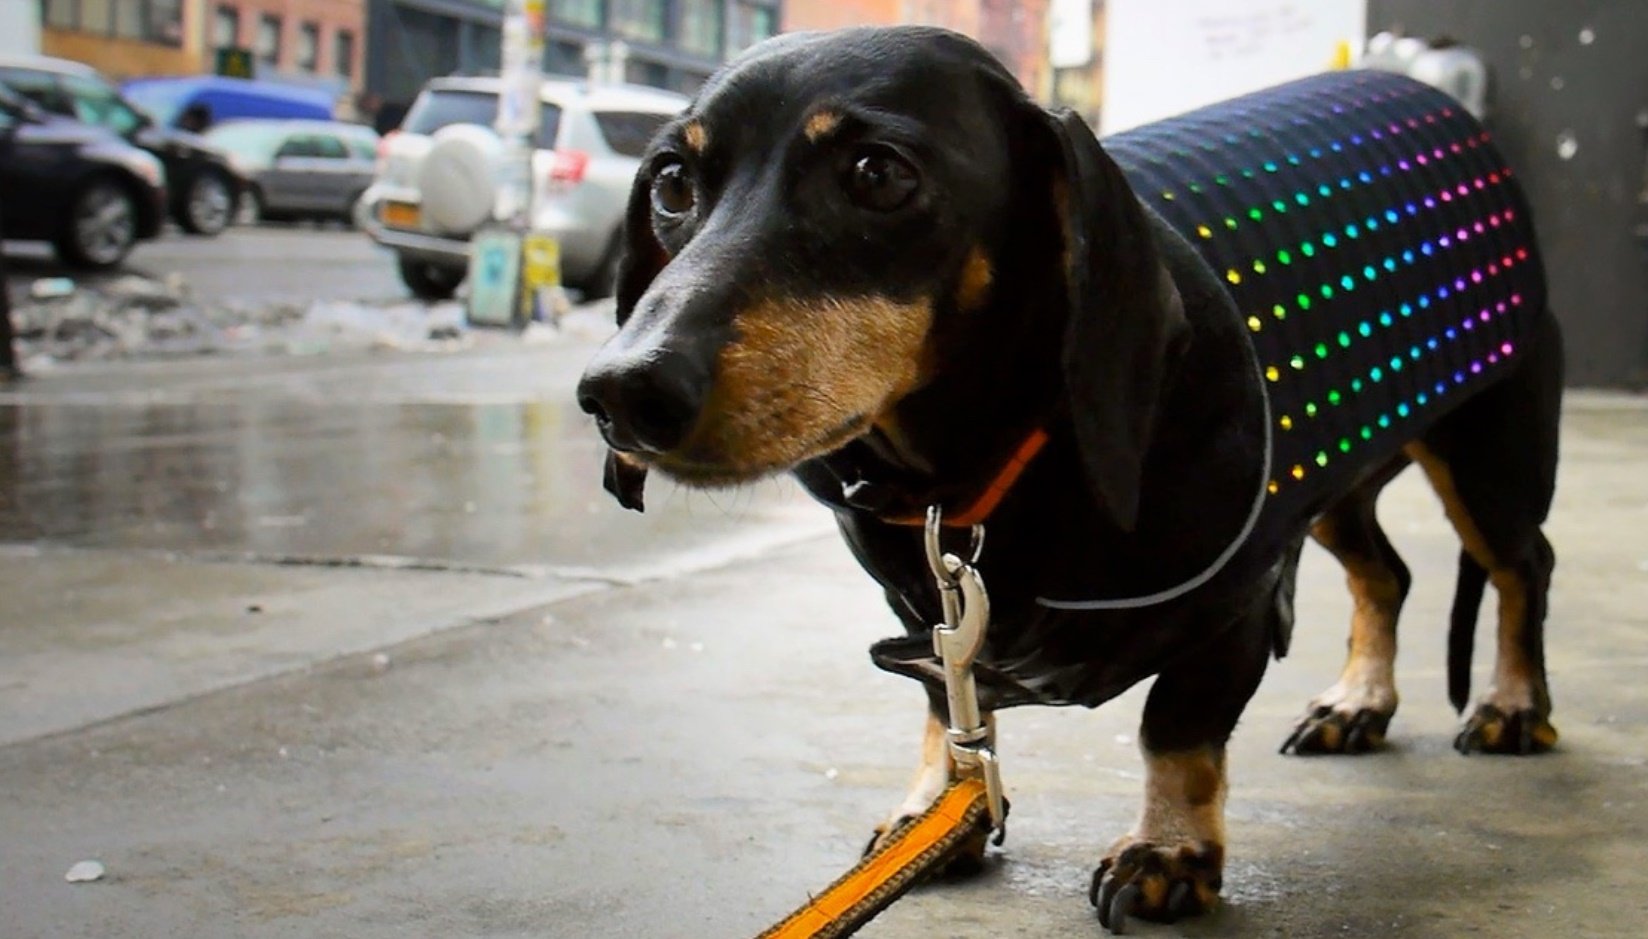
1492	729
1159	882
1327	729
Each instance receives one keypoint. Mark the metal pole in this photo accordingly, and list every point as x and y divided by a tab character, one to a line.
519	108
515	272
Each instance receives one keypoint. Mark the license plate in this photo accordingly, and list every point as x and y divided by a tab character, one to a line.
401	215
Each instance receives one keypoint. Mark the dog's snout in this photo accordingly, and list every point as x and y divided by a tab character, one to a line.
644	405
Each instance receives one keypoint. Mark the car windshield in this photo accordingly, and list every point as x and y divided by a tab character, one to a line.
249	140
436	108
97	103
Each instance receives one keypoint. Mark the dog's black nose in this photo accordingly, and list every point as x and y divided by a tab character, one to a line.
644	404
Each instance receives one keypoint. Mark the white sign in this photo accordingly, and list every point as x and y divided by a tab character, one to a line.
1165	57
1070	33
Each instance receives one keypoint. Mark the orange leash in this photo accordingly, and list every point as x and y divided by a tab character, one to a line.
918	849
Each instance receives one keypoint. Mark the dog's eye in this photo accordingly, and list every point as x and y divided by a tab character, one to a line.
880	180
672	190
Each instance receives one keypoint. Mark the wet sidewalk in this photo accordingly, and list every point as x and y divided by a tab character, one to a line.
358	648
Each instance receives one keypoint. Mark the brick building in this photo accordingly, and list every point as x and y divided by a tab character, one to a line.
124	38
310	41
1014	30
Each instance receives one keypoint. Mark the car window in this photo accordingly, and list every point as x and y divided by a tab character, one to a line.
362	148
549	125
299	145
328	147
435	109
39	87
97	103
628	132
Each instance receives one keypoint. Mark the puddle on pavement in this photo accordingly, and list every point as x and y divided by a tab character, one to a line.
510	483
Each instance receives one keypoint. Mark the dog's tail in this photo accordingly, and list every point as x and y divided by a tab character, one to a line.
1467	600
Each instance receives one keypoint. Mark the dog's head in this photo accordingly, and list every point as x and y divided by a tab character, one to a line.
834	214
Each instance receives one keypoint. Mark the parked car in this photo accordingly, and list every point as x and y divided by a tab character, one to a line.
300	169
203	186
83	188
168	99
436	179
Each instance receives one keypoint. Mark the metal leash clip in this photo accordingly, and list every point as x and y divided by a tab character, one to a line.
957	642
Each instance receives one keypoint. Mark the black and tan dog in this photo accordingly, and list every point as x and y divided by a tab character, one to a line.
867	258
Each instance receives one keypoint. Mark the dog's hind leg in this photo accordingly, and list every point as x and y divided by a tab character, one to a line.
1493	463
1172	864
1353	715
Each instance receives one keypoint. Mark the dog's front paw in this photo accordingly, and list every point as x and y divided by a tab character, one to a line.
969	856
1157	881
1335	729
1515	731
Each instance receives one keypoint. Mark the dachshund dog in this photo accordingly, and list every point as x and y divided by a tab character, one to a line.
1151	368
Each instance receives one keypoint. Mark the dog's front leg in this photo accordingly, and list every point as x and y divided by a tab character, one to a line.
936	772
1171	865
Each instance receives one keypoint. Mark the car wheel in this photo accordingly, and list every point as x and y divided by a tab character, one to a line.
102	226
252	211
351	216
430	281
208	205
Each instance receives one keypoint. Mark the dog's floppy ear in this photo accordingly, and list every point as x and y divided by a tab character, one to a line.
1126	320
642	256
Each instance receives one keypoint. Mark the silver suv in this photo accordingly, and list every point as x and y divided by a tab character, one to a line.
436	177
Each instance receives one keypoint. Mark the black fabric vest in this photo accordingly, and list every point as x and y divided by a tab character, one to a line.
1373	240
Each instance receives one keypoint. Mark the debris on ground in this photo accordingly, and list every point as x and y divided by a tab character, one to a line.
84	872
60	320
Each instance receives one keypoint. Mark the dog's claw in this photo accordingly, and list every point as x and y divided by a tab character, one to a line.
1493	730
1120	906
1326	730
1179	901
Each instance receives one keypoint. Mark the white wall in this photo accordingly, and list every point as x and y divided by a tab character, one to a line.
1164	57
19	27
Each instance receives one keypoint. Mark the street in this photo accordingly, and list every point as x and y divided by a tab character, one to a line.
355	645
318	262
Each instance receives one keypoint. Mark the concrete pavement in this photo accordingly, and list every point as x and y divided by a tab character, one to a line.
355	647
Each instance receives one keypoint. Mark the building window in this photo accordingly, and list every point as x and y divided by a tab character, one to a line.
343	53
577	12
129	19
751	23
60	14
647	20
308	46
701	26
267	47
564	58
226	28
156	21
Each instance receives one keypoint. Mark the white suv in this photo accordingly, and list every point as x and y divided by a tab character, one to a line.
436	177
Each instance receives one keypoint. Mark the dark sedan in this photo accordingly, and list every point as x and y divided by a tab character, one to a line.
203	187
83	188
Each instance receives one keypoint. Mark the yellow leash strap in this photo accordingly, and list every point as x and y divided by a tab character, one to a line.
919	848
